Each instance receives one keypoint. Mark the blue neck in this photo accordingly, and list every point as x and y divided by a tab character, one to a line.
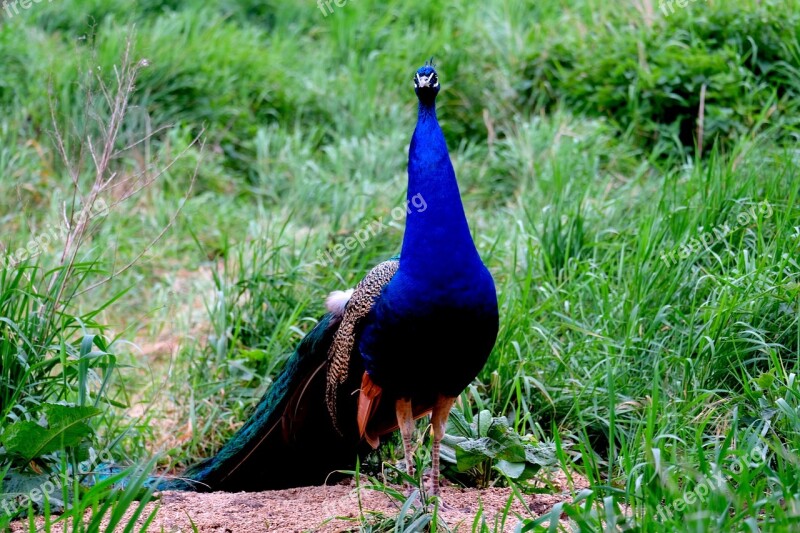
437	240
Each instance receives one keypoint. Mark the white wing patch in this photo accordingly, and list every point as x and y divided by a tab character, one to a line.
337	301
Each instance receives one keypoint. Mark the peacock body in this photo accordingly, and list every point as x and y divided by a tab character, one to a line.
404	343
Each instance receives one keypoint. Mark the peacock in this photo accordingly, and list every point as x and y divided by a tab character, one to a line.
403	344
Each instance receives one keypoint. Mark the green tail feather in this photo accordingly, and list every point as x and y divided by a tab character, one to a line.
289	439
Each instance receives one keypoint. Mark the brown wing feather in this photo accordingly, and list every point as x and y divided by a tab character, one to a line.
369	397
359	305
381	423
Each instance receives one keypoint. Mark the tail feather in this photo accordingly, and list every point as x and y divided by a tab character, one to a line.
289	439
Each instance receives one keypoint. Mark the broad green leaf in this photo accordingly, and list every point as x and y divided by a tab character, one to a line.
512	470
492	441
484	421
541	454
66	427
457	425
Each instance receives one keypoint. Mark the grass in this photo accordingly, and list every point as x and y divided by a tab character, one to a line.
646	268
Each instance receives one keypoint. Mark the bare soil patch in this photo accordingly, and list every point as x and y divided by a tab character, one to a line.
337	508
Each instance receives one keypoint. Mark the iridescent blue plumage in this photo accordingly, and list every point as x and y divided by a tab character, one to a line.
411	337
435	323
438	315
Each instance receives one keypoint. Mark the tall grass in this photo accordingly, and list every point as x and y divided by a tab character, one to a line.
60	363
646	267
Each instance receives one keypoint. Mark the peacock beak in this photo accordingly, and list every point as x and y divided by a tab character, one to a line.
426	81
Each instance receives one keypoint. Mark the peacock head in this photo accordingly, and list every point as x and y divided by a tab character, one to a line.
426	82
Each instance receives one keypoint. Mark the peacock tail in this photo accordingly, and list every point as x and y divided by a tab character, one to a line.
294	436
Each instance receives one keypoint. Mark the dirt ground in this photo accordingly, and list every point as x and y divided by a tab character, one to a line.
335	508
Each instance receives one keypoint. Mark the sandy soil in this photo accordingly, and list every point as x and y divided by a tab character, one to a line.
334	508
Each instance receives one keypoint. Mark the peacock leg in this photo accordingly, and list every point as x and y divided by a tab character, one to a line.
405	419
439	415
